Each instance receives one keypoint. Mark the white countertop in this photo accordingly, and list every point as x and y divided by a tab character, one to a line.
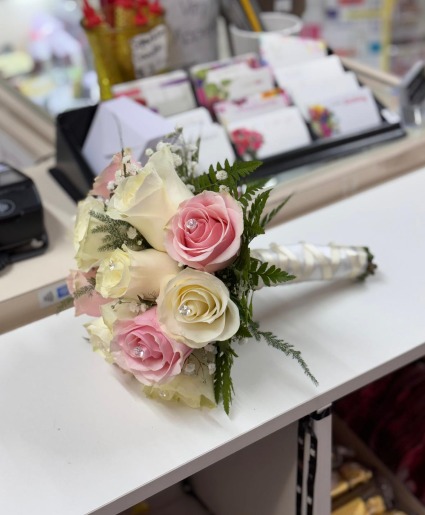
75	438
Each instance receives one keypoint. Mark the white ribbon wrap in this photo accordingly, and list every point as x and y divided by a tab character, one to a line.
315	262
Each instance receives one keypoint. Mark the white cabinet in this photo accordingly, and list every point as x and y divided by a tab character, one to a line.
76	437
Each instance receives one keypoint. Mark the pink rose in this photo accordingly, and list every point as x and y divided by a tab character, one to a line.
100	185
205	233
90	302
140	347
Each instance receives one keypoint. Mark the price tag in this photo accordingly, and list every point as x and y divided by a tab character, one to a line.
150	51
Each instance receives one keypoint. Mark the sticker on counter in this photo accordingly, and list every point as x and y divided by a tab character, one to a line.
52	294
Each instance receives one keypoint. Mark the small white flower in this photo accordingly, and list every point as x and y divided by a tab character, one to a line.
143	307
211	368
148	152
161	145
110	186
223	188
178	128
190	187
134	307
210	348
139	242
132	168
191	147
177	160
126	159
175	148
131	233
181	265
221	175
189	369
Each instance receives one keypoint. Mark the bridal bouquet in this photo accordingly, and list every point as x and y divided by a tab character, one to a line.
165	265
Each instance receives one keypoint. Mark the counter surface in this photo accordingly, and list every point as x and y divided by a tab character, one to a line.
76	437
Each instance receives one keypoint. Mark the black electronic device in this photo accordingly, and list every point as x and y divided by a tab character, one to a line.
22	232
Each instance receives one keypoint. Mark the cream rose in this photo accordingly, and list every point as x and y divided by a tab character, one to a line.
132	274
100	336
149	199
86	243
195	308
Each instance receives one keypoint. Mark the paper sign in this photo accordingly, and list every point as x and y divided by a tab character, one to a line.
150	51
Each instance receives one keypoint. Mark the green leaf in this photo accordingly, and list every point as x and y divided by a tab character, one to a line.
269	216
223	386
270	275
283	346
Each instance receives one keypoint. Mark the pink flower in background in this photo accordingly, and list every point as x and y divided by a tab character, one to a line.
205	233
100	185
90	302
101	182
247	142
140	347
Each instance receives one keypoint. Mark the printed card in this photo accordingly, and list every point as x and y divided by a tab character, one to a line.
167	94
269	134
281	51
344	114
291	78
306	94
230	79
253	105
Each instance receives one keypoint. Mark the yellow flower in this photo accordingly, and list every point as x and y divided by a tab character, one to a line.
195	308
87	244
130	274
149	199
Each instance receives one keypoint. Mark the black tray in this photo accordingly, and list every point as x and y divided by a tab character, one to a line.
75	175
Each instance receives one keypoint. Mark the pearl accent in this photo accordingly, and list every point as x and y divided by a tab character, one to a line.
111	265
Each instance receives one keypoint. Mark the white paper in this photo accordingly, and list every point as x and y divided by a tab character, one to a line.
291	77
306	94
122	122
278	50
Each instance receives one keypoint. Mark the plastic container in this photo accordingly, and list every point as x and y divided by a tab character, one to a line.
245	41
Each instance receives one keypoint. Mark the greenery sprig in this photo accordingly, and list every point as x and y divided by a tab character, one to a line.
246	274
117	233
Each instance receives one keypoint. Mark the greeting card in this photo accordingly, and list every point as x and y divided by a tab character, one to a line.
167	94
253	105
269	134
280	51
344	114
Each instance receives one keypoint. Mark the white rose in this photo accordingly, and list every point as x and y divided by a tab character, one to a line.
195	308
116	311
100	336
128	273
87	244
149	199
